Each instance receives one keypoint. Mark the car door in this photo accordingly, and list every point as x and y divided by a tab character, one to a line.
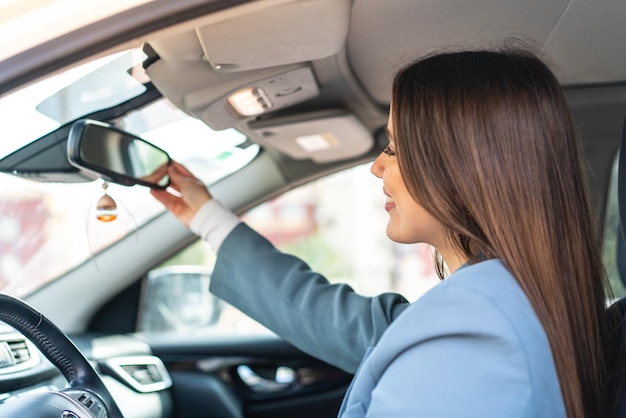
234	369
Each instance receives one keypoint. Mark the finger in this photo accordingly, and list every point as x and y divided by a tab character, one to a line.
157	174
177	176
175	180
179	168
160	171
167	199
186	184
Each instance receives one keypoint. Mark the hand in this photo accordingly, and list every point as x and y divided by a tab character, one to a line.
192	194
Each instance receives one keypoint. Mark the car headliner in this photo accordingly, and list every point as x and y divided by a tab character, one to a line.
582	36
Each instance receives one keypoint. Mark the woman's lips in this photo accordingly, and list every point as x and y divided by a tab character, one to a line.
389	204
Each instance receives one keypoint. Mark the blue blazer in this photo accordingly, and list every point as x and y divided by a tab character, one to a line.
472	346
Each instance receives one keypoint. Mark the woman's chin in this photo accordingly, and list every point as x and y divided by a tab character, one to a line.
395	234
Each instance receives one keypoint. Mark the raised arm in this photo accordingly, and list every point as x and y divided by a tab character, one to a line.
328	321
280	291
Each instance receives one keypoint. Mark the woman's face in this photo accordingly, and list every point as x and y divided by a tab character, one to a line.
408	221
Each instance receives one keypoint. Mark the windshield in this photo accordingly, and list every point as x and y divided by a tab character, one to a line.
48	228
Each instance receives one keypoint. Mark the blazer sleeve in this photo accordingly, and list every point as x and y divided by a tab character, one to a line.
329	321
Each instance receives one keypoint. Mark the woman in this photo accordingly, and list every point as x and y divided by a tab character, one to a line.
483	164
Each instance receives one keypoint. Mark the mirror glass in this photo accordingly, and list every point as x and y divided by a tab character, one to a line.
116	155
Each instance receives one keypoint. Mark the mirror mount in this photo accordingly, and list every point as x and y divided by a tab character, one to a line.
117	156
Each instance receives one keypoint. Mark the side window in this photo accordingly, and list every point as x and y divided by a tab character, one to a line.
336	224
611	240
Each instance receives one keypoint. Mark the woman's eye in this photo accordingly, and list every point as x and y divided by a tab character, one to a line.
389	151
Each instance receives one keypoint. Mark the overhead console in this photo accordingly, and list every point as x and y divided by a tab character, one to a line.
259	97
241	69
260	49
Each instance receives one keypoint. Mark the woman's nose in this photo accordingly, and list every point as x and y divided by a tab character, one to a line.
377	166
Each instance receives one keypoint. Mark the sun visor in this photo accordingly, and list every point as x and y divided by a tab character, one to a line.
45	160
320	136
282	33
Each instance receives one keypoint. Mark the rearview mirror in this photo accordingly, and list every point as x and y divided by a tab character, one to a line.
117	156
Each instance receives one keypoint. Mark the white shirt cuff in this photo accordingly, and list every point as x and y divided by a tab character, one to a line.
213	222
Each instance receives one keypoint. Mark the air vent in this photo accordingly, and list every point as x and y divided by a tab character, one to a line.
16	353
142	373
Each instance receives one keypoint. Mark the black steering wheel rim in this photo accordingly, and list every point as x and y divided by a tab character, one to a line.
58	348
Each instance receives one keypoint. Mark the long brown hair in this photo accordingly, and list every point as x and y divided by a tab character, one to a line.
487	145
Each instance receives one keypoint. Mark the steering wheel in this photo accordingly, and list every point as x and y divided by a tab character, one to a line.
86	395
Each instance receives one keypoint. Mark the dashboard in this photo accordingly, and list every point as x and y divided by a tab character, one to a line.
137	380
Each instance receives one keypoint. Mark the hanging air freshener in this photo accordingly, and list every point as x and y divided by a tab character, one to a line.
106	208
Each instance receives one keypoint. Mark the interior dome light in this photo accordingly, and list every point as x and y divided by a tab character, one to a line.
250	101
